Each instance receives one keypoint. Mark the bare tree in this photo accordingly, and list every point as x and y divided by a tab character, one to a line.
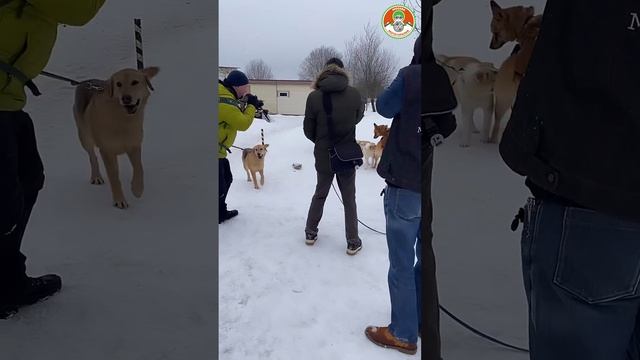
372	68
416	6
258	70
313	64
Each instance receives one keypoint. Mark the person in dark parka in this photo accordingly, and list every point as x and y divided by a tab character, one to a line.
348	110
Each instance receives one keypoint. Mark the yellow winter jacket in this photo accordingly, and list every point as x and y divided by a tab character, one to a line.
28	31
231	119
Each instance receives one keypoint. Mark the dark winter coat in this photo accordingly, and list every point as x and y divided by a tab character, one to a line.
575	126
348	110
401	161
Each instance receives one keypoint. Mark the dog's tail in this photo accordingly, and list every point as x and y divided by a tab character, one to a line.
245	152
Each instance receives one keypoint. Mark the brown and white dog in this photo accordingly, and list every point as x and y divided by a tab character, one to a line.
253	162
474	89
368	150
519	24
381	131
109	116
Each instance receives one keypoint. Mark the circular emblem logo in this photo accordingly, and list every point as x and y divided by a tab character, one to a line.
398	21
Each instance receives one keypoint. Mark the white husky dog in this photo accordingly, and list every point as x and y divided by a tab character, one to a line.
472	82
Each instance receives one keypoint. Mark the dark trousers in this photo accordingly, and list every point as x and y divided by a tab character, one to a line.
225	178
581	272
430	324
21	178
347	185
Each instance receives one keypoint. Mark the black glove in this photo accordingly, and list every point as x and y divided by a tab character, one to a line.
434	135
253	100
446	123
438	127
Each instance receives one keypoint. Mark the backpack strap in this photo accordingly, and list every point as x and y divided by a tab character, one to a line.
16	73
328	109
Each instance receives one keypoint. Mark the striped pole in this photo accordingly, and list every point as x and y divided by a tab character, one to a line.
138	32
262	135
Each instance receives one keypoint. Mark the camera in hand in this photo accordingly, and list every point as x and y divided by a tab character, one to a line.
253	100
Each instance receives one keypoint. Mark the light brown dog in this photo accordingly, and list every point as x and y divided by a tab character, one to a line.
109	116
519	24
472	81
453	65
368	150
383	132
253	162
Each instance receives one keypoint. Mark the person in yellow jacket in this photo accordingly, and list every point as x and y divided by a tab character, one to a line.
236	110
28	31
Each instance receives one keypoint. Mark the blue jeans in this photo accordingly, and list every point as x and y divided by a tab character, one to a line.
404	220
581	271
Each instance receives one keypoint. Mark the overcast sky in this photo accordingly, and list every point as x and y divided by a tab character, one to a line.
283	32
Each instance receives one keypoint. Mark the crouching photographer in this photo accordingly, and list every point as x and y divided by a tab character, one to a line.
236	110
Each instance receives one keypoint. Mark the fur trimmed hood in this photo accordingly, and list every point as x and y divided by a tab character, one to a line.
332	79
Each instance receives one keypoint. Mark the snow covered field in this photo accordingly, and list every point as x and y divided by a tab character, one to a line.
280	299
140	283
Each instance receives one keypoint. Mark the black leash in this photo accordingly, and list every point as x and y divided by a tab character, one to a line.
62	78
363	224
479	333
447	312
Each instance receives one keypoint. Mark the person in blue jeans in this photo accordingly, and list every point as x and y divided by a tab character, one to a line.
574	134
402	166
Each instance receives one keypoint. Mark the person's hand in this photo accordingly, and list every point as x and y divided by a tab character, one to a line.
253	100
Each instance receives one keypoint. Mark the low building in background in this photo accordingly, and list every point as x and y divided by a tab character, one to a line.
284	97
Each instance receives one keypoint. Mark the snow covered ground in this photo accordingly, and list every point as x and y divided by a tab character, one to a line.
280	299
140	283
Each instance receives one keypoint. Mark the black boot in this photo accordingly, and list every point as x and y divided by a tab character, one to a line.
226	215
33	291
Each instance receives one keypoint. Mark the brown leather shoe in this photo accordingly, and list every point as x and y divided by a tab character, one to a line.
381	336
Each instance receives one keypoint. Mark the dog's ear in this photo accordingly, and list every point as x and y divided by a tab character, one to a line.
150	73
495	8
266	146
531	11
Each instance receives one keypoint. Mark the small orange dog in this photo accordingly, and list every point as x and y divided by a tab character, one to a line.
379	131
519	24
